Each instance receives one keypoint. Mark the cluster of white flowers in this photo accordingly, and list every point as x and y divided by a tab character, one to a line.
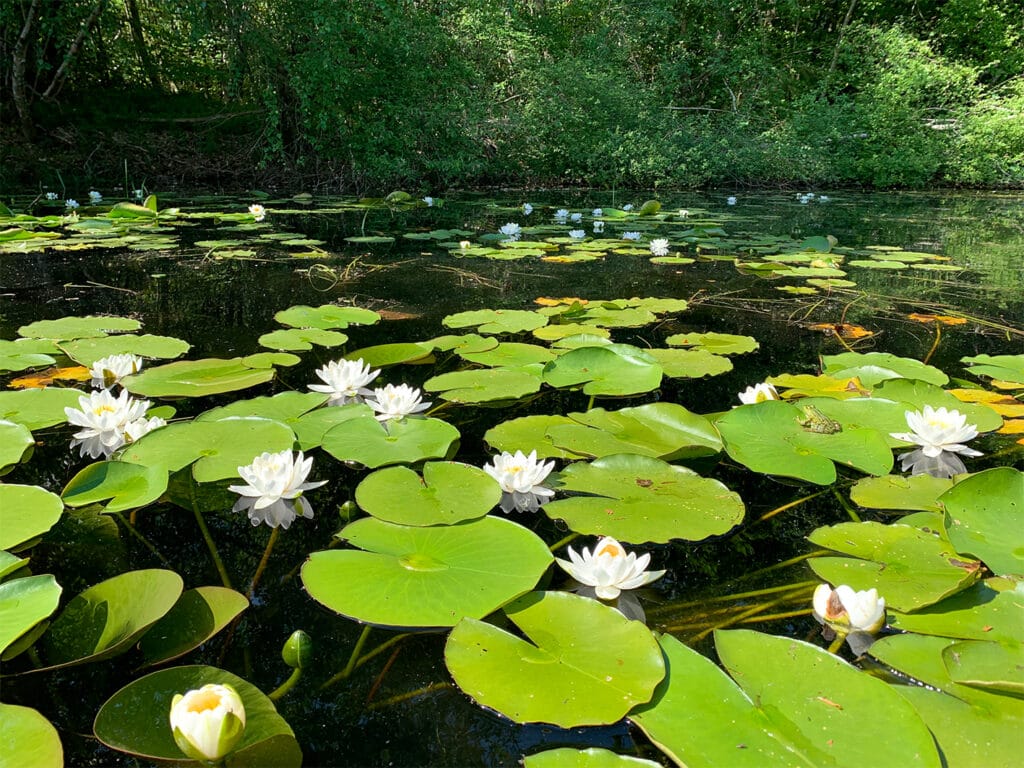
345	381
527	209
109	422
71	203
577	234
109	370
258	212
511	231
275	484
95	197
575	218
561	215
660	247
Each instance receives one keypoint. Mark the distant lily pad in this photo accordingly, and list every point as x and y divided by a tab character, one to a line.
393	354
328	316
196	378
718	343
1000	367
405	576
909	567
494	321
88	351
78	327
300	339
690	363
486	384
582	662
874	367
448	493
639	499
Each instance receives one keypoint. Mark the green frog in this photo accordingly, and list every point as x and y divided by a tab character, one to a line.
816	421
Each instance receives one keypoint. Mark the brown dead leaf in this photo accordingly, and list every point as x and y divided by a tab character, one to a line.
843	330
942	319
50	375
390	314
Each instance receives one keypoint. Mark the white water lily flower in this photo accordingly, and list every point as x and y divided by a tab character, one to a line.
561	215
576	218
730	200
527	209
577	234
630	235
276	482
396	402
95	197
511	230
597	212
71	203
429	201
609	569
759	393
104	419
109	370
627	207
660	247
520	477
345	380
846	610
599	227
823	198
944	465
137	194
51	195
464	244
258	211
939	430
136	429
208	722
683	213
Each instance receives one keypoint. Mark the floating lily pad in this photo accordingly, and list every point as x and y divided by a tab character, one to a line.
29	739
494	321
311	427
286	407
718	343
508	354
998	667
21	354
984	516
555	332
196	378
126	486
404	441
690	363
661	430
616	369
15	440
134	720
917	394
582	662
299	339
393	354
874	367
530	433
448	493
1000	367
198	615
326	317
268	360
594	757
966	722
806	708
111	616
486	385
902	492
638	499
976	613
78	327
769	437
371	239
215	449
38	408
88	351
404	576
466	343
26	511
909	567
24	603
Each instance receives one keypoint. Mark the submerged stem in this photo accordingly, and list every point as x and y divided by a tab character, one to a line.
849	510
790	505
224	578
142	539
935	344
837	643
263	562
351	659
563	541
410	695
286	686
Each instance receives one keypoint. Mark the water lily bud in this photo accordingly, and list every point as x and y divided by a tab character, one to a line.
348	511
846	610
207	723
298	650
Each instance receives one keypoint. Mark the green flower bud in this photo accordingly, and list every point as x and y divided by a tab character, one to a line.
298	650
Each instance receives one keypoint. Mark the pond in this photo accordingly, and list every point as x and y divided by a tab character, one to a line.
609	333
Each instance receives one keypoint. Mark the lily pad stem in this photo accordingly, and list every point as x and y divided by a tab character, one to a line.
224	578
562	542
849	510
935	344
274	533
145	542
351	659
410	695
590	403
790	505
837	643
287	685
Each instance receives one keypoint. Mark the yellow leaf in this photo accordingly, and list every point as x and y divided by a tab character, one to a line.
544	301
50	375
943	319
845	330
1004	405
1012	427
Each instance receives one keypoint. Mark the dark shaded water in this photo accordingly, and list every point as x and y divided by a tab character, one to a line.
222	306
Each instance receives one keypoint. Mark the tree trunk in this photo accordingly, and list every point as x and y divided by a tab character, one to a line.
62	71
131	8
19	62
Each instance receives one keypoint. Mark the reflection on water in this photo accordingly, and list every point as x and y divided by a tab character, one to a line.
221	305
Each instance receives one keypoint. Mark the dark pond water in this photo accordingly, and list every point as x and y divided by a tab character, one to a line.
397	709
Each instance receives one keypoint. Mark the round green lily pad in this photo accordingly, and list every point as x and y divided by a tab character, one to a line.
486	385
402	441
127	486
26	511
78	327
326	317
196	378
581	662
448	493
984	516
616	369
405	576
24	603
29	739
88	351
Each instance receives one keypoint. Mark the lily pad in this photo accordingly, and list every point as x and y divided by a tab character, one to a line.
615	369
20	354
134	720
718	343
530	433
448	493
326	317
196	378
300	339
770	437
198	615
24	603
495	321
486	385
78	327
26	511
565	757
405	576
638	499
405	441
29	739
88	351
806	708
111	616
976	613
909	567
15	439
998	667
902	492
38	408
983	518
999	367
509	354
874	367
690	363
392	354
582	662
127	486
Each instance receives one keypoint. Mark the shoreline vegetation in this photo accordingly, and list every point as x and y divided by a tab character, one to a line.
342	98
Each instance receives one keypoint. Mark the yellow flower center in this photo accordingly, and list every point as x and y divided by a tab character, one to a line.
610	549
203	701
103	409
